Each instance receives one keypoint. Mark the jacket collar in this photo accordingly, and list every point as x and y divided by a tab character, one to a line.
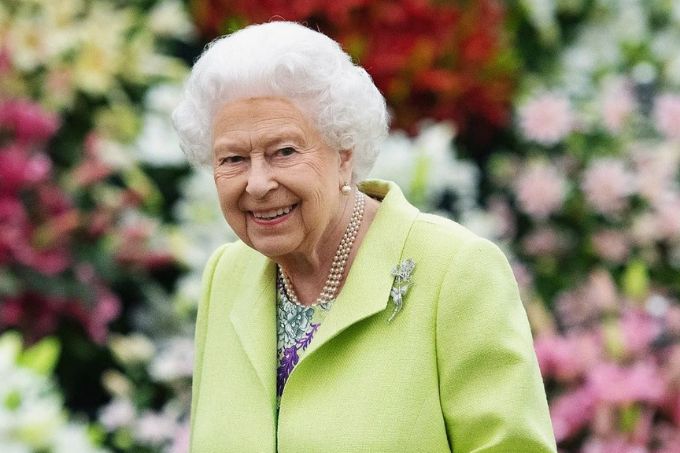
254	317
366	291
367	288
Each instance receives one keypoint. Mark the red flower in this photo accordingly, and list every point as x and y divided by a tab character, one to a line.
39	315
14	228
19	168
439	60
27	121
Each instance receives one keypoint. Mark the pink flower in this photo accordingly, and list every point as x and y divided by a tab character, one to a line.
19	168
668	218
571	412
540	190
607	184
522	275
667	115
36	315
117	414
639	330
155	428
503	216
106	309
180	443
672	318
49	261
91	168
546	119
611	245
612	445
645	230
656	169
174	361
5	60
587	303
566	358
544	241
672	405
28	121
617	105
618	385
668	436
14	228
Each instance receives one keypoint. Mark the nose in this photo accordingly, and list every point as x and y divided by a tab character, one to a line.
260	179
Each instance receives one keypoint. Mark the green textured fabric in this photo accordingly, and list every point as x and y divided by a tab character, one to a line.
453	371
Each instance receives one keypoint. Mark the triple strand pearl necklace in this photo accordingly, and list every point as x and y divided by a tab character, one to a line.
330	288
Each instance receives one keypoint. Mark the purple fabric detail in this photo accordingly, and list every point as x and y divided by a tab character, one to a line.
307	338
291	358
288	362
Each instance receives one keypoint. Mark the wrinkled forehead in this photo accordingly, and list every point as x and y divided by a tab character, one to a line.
264	119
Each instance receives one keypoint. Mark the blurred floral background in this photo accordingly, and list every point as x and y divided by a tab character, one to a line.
549	126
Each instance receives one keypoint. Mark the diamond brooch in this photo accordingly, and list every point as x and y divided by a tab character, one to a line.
402	282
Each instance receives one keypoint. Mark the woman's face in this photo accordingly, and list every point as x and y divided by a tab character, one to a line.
277	180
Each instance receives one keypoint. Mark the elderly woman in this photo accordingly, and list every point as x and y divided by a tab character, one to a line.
344	320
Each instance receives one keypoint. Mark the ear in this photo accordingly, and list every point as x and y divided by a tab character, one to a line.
346	164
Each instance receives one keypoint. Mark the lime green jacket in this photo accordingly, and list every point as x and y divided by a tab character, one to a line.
454	370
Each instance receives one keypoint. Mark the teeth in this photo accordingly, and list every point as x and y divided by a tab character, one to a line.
273	213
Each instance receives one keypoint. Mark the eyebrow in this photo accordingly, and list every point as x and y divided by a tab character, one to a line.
286	134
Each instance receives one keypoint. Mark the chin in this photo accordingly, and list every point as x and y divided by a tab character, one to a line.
271	248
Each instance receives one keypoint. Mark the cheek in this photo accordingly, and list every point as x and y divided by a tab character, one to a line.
228	195
321	207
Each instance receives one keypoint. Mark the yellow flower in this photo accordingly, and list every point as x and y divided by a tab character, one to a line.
169	18
100	57
135	348
116	383
27	42
118	122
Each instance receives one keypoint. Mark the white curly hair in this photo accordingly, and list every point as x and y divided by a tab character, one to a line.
289	60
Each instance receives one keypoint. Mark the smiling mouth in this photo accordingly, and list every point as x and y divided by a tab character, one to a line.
274	214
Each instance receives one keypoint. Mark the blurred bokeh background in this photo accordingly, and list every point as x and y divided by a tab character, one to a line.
552	127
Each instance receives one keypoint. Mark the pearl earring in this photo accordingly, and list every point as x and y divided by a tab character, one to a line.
346	189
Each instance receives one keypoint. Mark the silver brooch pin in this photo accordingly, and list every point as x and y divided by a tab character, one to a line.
402	282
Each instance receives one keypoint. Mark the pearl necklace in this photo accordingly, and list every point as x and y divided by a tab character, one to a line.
330	288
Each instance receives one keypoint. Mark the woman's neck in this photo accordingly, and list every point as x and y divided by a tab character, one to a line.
308	271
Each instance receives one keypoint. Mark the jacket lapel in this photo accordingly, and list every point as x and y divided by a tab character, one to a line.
366	292
369	281
254	318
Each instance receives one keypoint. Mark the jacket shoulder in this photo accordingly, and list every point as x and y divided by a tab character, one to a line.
444	235
230	258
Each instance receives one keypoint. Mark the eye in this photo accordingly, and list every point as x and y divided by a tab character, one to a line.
231	160
287	151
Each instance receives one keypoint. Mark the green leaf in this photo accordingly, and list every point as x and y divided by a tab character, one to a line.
629	418
138	181
613	340
12	400
41	357
9	284
636	280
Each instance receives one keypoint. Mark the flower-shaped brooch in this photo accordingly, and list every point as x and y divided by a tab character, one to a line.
402	282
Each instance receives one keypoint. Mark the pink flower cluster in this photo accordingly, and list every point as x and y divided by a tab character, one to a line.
618	104
546	119
31	232
618	386
607	183
667	115
39	227
27	121
540	190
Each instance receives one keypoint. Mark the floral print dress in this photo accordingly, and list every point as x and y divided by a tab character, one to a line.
296	326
